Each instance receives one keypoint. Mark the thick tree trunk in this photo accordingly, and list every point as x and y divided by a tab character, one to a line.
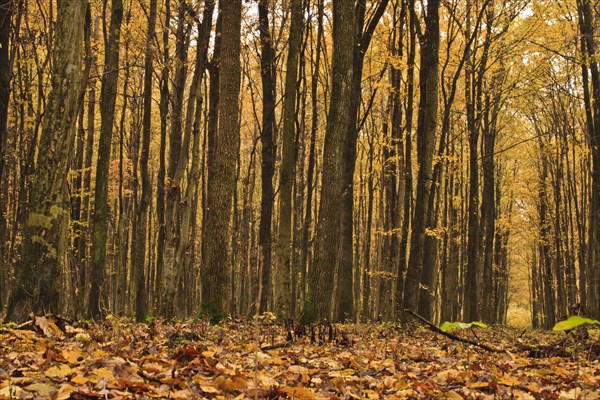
39	269
321	275
222	171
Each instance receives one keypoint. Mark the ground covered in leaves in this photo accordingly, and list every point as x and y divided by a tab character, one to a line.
49	358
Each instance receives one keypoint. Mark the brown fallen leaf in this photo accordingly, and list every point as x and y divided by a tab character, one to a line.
43	389
300	393
59	372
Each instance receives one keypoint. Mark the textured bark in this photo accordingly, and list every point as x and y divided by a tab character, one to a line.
408	175
100	217
545	262
268	77
173	193
426	132
6	8
362	40
174	272
39	268
321	275
586	26
139	260
286	174
79	220
222	171
161	175
310	170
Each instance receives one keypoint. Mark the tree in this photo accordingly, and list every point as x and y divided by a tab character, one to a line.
426	135
44	232
221	170
6	8
141	306
268	76
362	39
286	173
321	275
108	97
586	26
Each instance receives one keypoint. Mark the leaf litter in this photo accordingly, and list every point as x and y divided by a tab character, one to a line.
49	358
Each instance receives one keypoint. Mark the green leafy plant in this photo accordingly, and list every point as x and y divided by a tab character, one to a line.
574	322
451	326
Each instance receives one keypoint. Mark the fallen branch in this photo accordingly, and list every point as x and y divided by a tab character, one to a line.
434	328
275	346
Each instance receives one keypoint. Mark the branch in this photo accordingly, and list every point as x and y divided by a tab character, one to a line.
434	328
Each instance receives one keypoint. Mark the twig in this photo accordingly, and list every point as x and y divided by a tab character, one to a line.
434	328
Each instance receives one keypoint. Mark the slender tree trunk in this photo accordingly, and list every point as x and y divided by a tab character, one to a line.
222	170
426	132
173	192
408	176
139	261
38	271
108	97
160	181
6	10
282	287
586	26
174	272
310	171
268	75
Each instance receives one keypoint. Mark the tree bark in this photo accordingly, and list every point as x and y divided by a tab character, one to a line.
222	171
38	271
426	132
288	167
269	77
6	9
100	217
321	275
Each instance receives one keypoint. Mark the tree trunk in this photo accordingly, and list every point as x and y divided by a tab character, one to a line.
38	271
426	132
222	170
586	26
100	217
287	172
321	275
6	8
160	181
408	176
139	262
268	75
310	171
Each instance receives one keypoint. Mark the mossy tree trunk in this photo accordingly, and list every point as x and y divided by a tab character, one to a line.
38	271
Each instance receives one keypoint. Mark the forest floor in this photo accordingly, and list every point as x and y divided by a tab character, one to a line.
49	358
